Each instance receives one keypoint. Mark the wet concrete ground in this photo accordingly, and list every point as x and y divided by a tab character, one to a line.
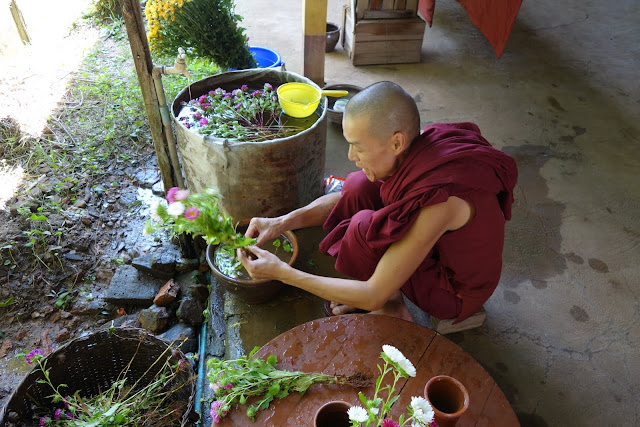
562	332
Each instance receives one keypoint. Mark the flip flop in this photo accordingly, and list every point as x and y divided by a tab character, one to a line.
328	312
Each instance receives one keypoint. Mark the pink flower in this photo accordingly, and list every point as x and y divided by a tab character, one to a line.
171	194
390	423
227	96
256	93
44	421
433	424
238	105
228	386
191	213
202	99
203	121
58	414
188	125
244	88
181	195
214	411
32	354
268	86
215	387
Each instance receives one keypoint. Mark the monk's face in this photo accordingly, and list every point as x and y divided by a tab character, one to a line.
375	155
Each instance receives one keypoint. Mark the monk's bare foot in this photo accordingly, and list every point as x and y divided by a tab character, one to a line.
337	308
395	307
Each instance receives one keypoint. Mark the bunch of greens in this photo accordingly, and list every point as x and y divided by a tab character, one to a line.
241	114
420	411
197	214
125	402
237	381
205	28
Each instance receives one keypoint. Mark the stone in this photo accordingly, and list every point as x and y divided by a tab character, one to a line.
179	332
126	321
63	335
187	264
144	263
154	318
190	310
167	294
158	189
132	287
146	178
199	291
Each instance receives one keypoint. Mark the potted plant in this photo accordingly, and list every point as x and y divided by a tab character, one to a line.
199	214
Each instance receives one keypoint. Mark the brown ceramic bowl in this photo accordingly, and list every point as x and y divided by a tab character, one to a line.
251	291
335	116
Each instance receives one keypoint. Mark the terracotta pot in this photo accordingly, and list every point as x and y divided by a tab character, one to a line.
334	114
251	291
448	397
332	414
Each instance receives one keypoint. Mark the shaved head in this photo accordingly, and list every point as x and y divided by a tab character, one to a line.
388	108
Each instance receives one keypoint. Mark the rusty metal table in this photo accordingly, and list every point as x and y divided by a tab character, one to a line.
352	343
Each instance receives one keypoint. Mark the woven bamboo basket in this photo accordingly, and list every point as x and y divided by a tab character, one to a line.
92	364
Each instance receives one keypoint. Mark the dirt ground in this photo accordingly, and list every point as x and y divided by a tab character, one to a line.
72	205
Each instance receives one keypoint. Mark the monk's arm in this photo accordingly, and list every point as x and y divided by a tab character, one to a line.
398	263
315	213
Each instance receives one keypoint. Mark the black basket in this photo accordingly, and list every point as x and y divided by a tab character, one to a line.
92	364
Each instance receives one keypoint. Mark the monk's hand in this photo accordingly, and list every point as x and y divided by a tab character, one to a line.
259	263
264	229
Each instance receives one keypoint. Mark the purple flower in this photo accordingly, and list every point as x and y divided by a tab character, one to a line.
197	116
236	92
247	39
227	96
214	411
203	121
267	86
32	354
244	88
205	105
238	105
202	99
228	386
191	213
171	194
390	423
256	93
187	125
59	414
44	421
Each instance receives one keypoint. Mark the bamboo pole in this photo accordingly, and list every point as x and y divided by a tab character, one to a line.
19	20
314	26
132	15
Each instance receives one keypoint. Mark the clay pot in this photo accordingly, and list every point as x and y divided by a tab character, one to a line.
334	114
251	291
448	397
333	35
332	414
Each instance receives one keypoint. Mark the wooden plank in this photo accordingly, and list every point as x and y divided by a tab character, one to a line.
399	5
362	5
374	30
347	30
387	46
388	14
314	26
19	21
387	4
446	326
375	4
386	58
497	411
137	35
412	5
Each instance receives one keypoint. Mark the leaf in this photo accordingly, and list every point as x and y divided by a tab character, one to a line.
6	302
35	217
274	389
363	398
254	351
272	360
276	243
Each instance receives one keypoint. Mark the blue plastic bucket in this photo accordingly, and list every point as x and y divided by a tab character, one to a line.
266	58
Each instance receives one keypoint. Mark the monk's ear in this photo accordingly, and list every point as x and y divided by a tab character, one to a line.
400	142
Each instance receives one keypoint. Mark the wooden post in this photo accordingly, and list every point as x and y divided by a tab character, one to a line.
314	26
19	20
132	15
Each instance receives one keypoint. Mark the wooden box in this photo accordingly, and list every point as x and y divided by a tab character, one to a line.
381	36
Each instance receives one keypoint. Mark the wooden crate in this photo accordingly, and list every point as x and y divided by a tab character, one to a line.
395	38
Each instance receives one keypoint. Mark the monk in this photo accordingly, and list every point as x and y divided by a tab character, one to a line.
425	216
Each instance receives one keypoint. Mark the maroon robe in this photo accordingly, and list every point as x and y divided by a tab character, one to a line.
446	160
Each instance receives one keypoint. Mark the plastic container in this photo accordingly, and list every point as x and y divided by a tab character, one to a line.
266	58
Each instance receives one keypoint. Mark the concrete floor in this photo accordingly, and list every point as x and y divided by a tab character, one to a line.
562	333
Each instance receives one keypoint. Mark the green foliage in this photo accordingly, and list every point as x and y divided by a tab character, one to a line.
204	28
251	377
106	9
7	302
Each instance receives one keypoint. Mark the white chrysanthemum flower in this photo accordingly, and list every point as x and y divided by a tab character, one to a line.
422	410
398	358
358	414
153	210
176	209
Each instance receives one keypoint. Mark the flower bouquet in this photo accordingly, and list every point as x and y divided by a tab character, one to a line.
240	114
197	214
420	411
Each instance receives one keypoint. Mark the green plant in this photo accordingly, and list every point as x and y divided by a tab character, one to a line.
7	302
197	214
241	114
251	377
126	402
63	298
205	28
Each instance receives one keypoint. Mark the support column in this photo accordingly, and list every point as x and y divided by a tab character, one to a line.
314	28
